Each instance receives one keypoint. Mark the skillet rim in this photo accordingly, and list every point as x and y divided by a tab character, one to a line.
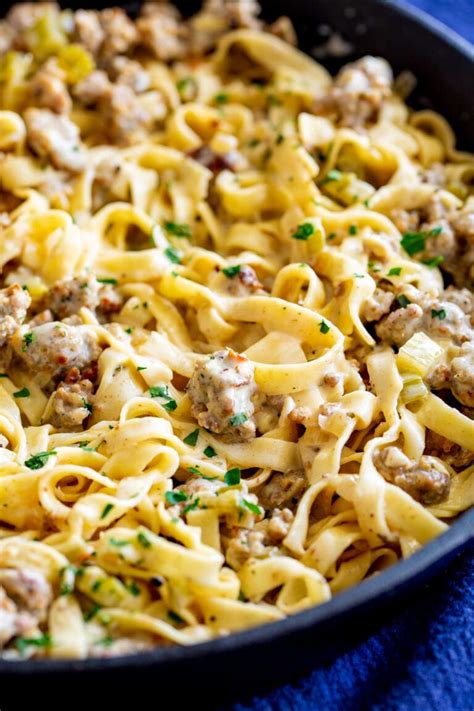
377	590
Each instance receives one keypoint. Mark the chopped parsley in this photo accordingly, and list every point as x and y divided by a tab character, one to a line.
395	271
143	540
192	438
162	391
324	327
221	98
253	143
238	419
173	255
37	461
176	497
304	231
210	452
106	510
92	612
332	176
413	242
159	391
170	405
403	301
22	643
68	579
133	588
353	229
177	229
24	392
106	641
231	272
129	330
366	202
332	235
195	470
87	405
118	544
141	367
3	375
107	281
279	139
232	477
183	84
440	313
252	507
435	231
434	261
28	339
191	506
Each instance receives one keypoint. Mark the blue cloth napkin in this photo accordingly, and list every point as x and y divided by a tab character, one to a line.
423	660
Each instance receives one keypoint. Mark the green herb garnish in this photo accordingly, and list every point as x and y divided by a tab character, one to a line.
106	510
232	477
231	272
413	242
37	461
175	497
324	327
395	271
143	540
28	339
24	392
210	452
173	255
238	419
192	438
304	231
177	229
403	301
441	314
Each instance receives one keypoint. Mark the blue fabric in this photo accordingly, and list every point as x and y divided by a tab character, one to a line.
423	660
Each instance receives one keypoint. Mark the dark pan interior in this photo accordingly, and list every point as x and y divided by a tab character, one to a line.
444	66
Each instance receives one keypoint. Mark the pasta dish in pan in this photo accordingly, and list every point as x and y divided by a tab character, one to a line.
236	327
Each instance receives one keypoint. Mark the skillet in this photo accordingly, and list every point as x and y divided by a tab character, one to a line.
408	39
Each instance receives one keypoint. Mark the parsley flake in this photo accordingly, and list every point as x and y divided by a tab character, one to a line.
252	507
324	327
177	229
413	242
107	281
440	313
37	461
395	271
332	176
106	510
173	255
232	477
353	229
304	231
403	301
192	506
238	419
175	497
28	339
22	643
210	452
143	540
231	272
434	261
192	438
24	392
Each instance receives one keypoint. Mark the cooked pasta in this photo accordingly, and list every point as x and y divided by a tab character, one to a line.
236	327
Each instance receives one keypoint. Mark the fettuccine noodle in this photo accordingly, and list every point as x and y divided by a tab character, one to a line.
235	325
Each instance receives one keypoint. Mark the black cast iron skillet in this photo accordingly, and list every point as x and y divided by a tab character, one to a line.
444	66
